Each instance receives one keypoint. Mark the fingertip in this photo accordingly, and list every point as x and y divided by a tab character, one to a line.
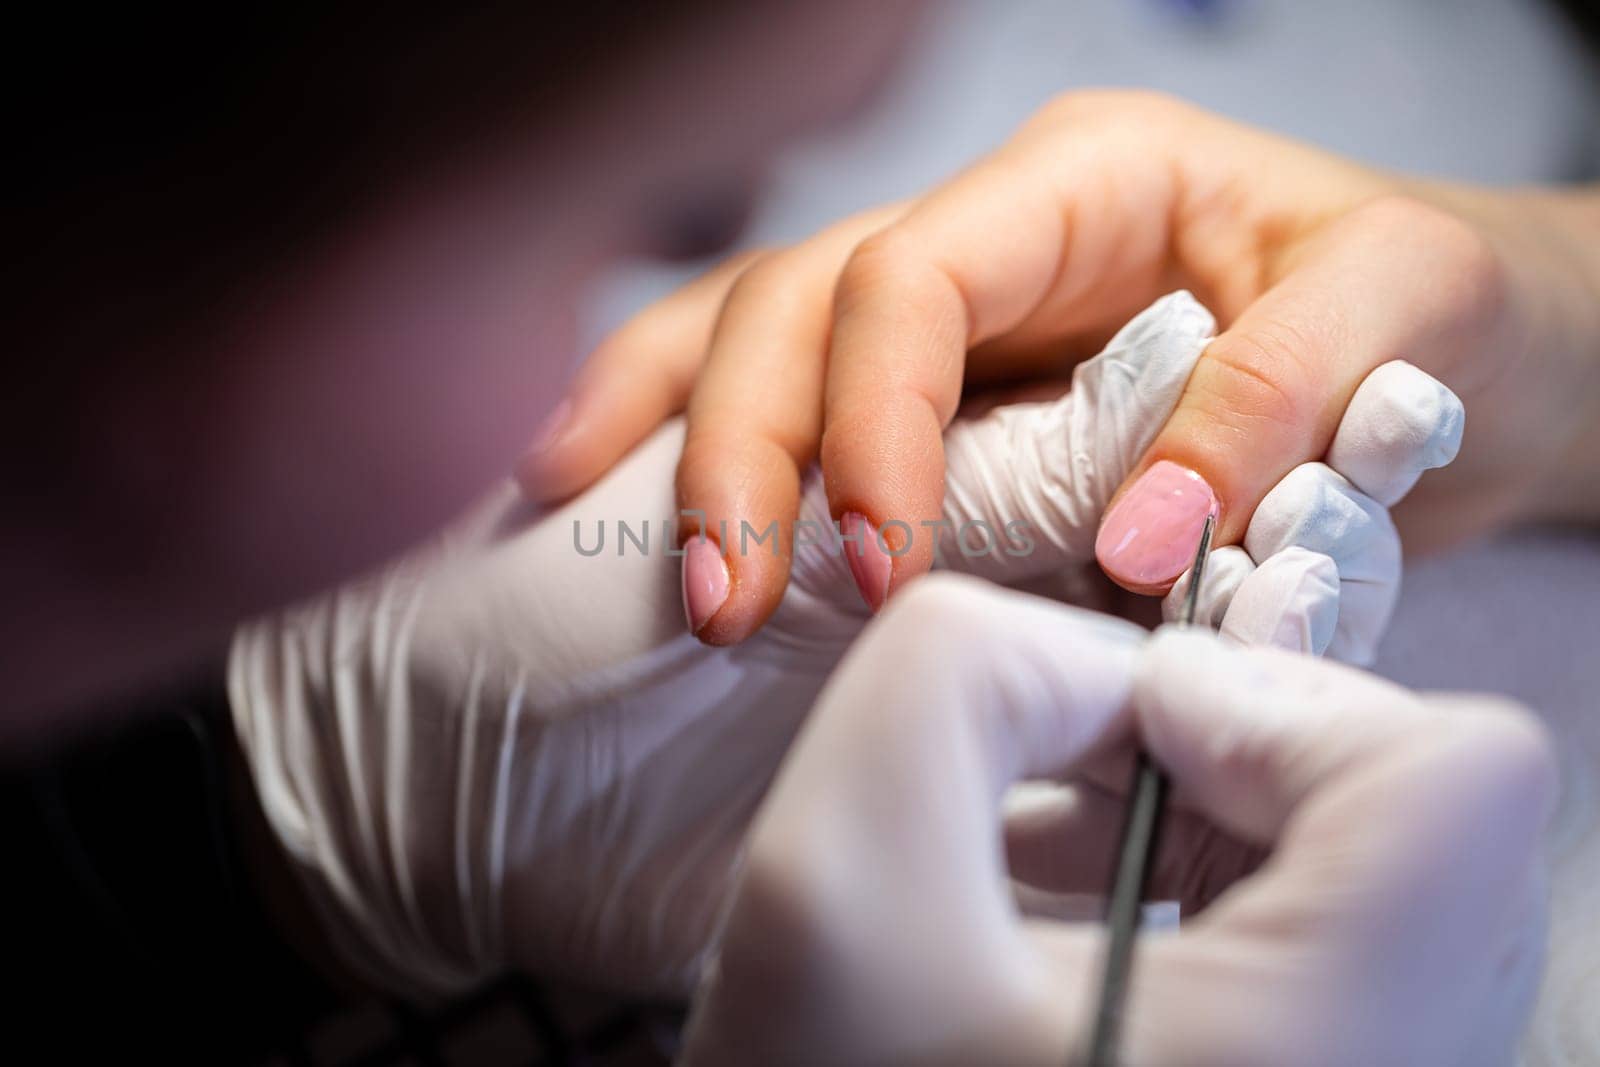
885	478
546	477
739	613
867	553
710	586
549	469
732	583
563	471
883	559
1226	569
1173	664
706	582
743	492
1401	422
1291	602
635	379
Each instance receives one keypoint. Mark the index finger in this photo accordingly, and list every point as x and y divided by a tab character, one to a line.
1067	228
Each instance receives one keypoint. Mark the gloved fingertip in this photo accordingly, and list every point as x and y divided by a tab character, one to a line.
1290	602
1226	568
1354	645
1401	422
1174	653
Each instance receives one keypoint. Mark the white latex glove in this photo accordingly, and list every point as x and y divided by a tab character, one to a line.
1398	920
503	751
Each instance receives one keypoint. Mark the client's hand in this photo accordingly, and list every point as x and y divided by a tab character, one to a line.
1398	919
855	345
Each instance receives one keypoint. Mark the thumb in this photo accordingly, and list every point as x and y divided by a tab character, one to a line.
1392	279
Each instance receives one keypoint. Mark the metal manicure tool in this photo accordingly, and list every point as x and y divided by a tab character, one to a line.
1147	800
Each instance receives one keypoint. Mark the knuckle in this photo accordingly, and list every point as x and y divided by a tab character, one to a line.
1396	212
1481	282
894	273
1399	212
1459	251
881	260
1080	105
768	276
1259	377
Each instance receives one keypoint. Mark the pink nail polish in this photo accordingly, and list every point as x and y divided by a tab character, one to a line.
529	468
705	582
870	564
553	426
1148	537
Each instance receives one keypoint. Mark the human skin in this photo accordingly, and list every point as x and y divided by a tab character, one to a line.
351	398
855	347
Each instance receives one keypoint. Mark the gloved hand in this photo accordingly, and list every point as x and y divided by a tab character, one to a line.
505	751
1398	920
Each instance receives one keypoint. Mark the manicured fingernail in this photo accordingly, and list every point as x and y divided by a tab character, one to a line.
553	426
705	582
870	563
1148	537
550	431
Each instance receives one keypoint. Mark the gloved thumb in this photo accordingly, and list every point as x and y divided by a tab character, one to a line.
1248	734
